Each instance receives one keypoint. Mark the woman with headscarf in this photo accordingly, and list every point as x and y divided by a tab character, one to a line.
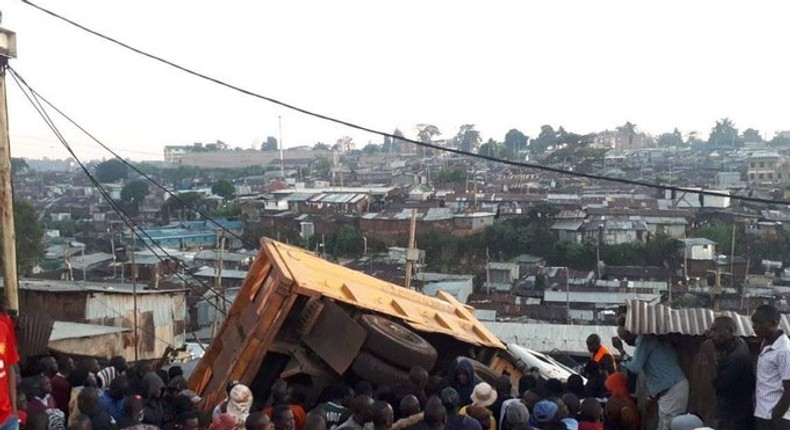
240	403
621	412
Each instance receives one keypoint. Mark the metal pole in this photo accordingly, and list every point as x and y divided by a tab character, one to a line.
409	256
7	206
732	259
134	295
568	294
488	272
282	161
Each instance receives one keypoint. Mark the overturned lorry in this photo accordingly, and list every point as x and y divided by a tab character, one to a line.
299	316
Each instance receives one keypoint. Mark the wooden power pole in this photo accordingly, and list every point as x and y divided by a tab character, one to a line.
411	253
7	51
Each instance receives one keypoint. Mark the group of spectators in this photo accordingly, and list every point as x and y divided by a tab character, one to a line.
61	395
748	396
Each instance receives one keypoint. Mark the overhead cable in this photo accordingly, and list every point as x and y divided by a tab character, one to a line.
404	139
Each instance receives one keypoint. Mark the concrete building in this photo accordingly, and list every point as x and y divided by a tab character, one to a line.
699	248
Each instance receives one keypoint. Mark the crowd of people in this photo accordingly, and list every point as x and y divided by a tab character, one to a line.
59	394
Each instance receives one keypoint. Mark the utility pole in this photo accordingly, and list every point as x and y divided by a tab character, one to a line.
411	253
282	160
488	272
220	293
732	258
134	295
568	294
7	51
114	267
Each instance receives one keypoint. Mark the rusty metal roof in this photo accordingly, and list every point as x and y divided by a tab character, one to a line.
645	318
440	314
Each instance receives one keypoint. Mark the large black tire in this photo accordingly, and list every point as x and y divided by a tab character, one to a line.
373	369
397	344
483	373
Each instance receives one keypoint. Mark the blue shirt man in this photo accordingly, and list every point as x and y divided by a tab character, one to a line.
658	362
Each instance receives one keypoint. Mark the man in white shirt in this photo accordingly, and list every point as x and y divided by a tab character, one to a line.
772	392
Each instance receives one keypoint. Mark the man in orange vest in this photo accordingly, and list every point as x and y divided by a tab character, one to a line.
601	355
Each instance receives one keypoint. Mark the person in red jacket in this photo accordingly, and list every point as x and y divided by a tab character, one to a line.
8	359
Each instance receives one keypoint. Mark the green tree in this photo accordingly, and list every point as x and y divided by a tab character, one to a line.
468	139
780	140
320	146
751	135
543	213
270	144
451	175
546	138
397	142
724	133
371	149
132	195
516	141
230	210
29	237
347	241
322	166
111	170
670	139
183	205
135	191
223	188
426	133
719	233
495	149
18	165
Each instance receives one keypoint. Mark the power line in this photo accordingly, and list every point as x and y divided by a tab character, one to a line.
385	134
133	226
132	166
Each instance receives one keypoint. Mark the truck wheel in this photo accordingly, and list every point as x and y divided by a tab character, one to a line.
376	371
397	344
483	372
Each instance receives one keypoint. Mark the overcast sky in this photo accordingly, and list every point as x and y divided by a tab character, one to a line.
586	65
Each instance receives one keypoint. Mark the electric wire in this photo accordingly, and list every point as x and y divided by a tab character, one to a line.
135	168
133	226
404	139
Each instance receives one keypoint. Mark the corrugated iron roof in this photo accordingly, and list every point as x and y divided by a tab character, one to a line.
569	225
645	318
211	272
78	262
440	314
549	337
693	241
58	286
68	330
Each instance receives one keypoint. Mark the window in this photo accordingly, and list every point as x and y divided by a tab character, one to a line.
770	176
751	175
751	164
761	176
762	164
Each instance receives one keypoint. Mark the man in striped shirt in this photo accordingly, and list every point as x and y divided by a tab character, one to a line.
772	393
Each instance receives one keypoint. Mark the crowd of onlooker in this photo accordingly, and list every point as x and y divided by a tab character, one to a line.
87	396
61	394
